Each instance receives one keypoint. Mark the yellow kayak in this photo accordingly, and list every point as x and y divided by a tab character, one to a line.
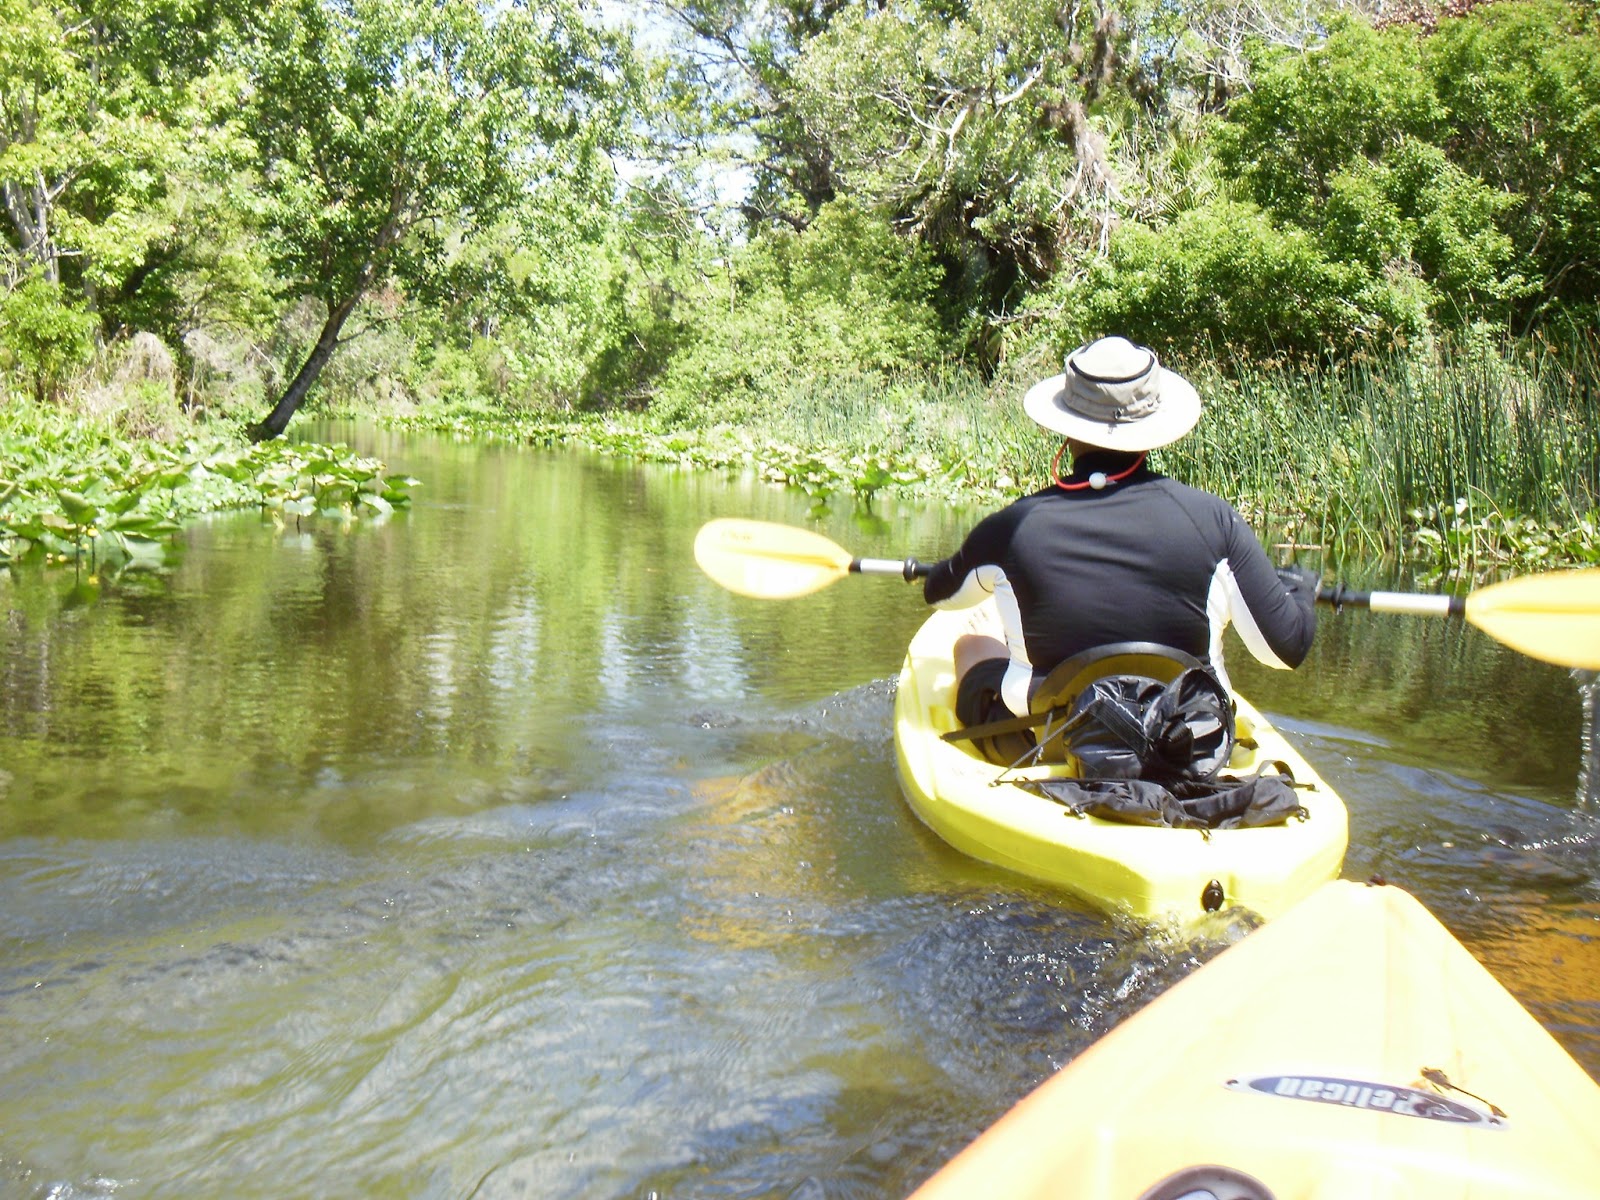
1147	873
1349	1048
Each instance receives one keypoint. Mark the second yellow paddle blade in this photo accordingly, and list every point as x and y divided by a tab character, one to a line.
766	560
1554	617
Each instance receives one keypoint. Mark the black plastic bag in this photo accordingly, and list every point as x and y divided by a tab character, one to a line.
1135	727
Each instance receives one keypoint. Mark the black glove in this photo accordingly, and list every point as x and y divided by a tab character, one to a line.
1301	583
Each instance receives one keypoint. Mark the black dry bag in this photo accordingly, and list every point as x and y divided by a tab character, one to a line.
1135	727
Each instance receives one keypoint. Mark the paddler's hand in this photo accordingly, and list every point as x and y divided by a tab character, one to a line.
1301	583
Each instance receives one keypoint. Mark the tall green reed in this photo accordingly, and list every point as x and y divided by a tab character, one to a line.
1490	450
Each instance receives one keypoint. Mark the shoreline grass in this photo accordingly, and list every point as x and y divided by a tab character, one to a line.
1460	463
1466	460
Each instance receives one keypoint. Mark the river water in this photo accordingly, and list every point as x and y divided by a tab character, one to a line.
492	851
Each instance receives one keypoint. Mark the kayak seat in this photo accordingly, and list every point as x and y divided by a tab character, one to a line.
1010	741
1054	695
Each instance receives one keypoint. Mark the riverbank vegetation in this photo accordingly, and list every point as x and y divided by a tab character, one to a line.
828	241
79	490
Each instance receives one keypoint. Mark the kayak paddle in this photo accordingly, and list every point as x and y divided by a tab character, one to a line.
1553	616
776	562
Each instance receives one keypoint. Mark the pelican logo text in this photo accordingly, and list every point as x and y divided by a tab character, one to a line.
1372	1097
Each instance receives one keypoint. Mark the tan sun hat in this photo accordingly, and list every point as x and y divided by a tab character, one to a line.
1116	395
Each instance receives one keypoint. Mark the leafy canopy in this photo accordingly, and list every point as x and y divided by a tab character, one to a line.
385	127
846	296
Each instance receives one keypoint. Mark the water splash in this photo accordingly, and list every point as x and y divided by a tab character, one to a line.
1589	764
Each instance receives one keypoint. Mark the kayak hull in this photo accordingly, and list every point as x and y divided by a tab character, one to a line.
1351	1047
1143	872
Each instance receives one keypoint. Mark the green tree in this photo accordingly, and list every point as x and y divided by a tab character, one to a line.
847	296
37	74
1225	275
1415	211
1358	94
389	131
658	258
1013	137
1470	154
1520	85
114	138
45	335
729	93
987	129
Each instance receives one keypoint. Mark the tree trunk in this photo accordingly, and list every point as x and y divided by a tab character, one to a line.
29	210
278	419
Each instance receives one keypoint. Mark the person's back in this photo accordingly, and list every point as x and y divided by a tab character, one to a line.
1114	552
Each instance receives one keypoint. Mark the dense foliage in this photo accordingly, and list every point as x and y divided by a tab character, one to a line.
75	494
730	212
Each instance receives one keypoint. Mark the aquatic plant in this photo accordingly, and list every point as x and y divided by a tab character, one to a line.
71	491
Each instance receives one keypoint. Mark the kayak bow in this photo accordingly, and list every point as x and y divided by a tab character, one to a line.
1351	1047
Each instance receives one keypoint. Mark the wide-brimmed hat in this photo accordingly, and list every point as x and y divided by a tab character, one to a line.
1116	395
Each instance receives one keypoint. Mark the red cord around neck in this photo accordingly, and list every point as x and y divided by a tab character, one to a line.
1103	479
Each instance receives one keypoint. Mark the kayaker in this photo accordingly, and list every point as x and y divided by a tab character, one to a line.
1113	551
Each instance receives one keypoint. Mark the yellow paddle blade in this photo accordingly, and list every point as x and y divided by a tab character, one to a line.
766	560
1554	617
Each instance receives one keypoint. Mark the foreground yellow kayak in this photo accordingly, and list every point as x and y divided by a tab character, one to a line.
1147	873
1350	1048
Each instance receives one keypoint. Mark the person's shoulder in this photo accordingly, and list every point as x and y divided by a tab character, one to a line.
1198	501
1023	505
1034	499
1197	497
1001	525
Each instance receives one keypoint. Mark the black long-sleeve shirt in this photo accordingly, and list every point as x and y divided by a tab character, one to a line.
1144	559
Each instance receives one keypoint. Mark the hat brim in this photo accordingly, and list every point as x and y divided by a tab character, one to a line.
1177	415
